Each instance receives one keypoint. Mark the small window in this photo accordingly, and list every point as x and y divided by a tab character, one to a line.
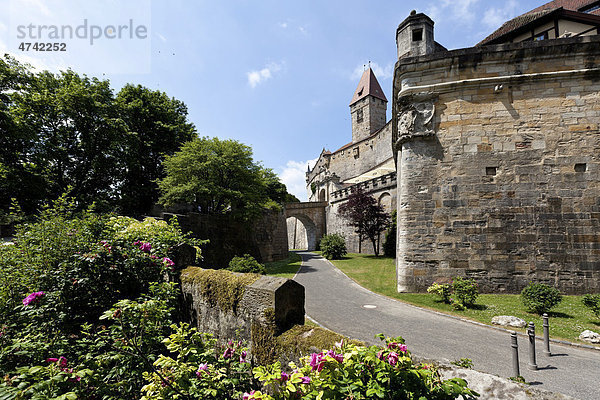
417	35
540	36
359	115
490	171
582	167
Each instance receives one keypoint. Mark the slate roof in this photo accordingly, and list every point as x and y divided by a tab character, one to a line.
368	85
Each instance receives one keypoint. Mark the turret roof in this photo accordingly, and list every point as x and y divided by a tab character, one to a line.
368	85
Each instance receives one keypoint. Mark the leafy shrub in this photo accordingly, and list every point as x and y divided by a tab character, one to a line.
359	372
465	291
443	291
592	301
246	264
540	298
463	363
333	246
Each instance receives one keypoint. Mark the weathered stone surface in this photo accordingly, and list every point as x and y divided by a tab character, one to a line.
267	301
590	336
509	320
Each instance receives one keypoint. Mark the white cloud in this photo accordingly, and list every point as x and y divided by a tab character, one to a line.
258	76
494	17
385	72
293	175
463	10
283	25
303	30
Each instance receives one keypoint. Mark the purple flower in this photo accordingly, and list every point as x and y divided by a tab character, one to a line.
168	262
228	353
284	377
380	355
248	396
393	358
243	356
398	346
32	298
305	380
202	368
337	357
146	247
316	362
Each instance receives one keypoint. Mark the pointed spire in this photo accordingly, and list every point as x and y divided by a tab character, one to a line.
368	85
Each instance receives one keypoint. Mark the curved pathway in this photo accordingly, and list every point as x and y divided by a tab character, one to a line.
338	303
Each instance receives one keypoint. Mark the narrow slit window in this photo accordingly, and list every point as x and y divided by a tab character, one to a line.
491	171
417	35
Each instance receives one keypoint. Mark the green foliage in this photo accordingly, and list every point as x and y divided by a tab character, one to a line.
540	298
201	368
333	246
358	372
219	177
442	290
70	132
463	363
465	291
389	246
246	264
592	301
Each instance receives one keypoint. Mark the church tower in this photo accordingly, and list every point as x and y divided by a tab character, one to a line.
368	107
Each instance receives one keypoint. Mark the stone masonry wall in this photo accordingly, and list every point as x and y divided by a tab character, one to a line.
296	234
503	184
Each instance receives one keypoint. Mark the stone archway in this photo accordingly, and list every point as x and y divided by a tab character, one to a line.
312	216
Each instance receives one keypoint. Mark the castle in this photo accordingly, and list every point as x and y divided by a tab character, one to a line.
491	155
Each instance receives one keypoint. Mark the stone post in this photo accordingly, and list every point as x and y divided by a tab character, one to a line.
515	354
531	333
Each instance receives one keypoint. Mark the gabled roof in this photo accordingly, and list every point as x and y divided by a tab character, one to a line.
368	86
572	9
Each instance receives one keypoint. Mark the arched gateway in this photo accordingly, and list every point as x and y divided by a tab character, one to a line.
312	216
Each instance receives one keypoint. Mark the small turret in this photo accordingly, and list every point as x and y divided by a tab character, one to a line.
368	107
414	36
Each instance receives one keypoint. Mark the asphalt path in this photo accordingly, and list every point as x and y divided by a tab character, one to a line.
340	304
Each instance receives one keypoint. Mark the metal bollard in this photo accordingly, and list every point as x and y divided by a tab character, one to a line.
515	354
546	335
531	333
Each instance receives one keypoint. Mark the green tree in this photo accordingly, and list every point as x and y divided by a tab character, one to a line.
219	177
368	218
157	126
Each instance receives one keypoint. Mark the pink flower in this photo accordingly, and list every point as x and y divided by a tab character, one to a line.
380	355
228	353
284	377
52	359
305	380
202	369
393	358
398	346
248	396
243	356
337	357
146	247
316	362
32	298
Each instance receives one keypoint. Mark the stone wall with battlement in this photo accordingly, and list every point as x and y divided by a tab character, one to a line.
499	166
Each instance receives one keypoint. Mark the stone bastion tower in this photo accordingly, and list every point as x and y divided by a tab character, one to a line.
497	151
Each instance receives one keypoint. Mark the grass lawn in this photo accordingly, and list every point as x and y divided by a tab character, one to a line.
567	320
285	268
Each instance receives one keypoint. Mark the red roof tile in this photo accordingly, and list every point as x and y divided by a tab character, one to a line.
368	85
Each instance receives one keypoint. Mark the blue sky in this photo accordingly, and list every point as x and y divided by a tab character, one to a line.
276	75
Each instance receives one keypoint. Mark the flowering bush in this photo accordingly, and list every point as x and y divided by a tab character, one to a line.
358	372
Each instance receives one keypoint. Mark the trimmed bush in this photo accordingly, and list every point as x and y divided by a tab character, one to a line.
333	246
389	246
540	298
246	264
592	301
465	291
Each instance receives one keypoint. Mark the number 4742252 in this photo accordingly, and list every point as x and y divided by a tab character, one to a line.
41	46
